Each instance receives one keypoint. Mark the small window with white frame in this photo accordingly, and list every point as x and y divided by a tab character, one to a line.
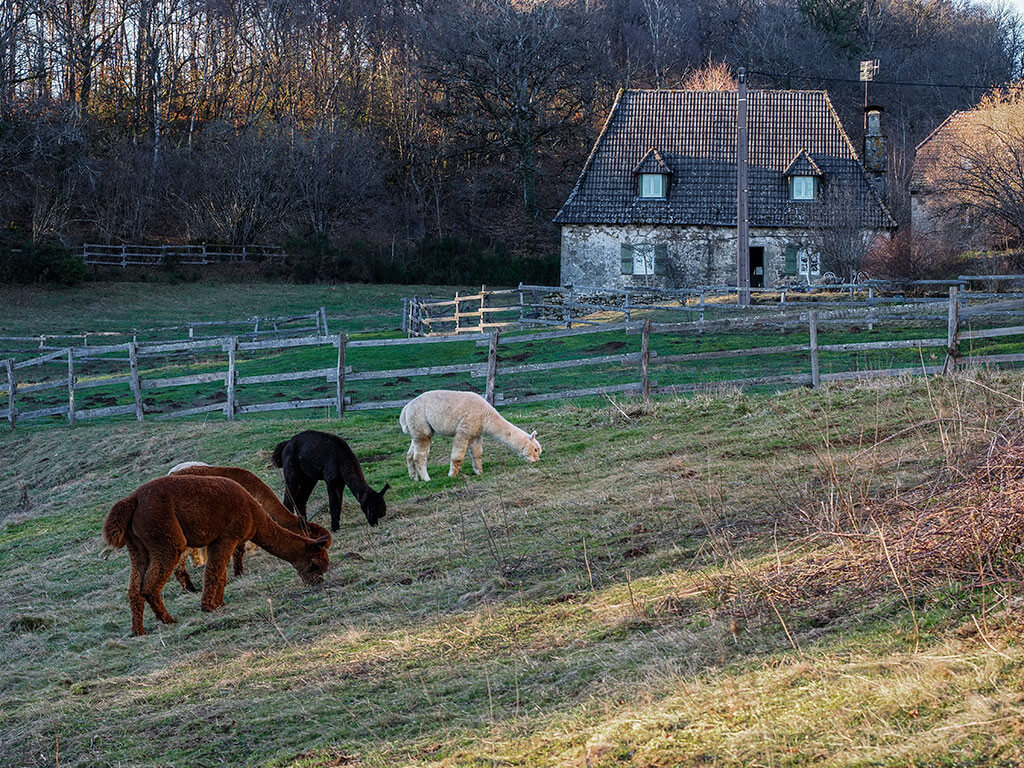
803	188
653	186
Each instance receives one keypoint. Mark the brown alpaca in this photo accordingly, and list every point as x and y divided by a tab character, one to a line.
167	515
266	498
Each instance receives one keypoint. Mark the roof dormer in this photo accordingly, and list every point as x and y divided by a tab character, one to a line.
652	176
803	177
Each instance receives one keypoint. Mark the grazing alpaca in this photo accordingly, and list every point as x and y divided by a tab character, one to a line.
467	417
264	496
197	554
312	456
163	517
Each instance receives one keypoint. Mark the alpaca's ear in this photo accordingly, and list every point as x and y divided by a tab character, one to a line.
385	488
318	544
533	435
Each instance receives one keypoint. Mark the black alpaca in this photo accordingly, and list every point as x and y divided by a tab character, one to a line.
312	456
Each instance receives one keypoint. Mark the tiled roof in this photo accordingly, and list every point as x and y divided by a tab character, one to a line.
928	152
694	133
652	163
802	165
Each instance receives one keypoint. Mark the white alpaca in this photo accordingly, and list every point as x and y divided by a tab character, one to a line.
467	417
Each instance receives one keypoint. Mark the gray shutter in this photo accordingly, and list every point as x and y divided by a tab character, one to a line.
660	259
790	259
627	259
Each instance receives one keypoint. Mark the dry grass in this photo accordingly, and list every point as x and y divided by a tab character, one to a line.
598	608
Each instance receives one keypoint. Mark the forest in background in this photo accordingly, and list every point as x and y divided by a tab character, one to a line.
368	130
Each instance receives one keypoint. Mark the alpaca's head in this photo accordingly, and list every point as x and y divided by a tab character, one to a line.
313	567
532	450
373	504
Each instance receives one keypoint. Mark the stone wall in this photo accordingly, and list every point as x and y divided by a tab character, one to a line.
591	254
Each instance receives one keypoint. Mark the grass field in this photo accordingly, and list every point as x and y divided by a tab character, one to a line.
598	608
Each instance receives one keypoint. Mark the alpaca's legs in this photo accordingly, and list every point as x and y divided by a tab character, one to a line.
335	490
476	449
410	460
421	452
136	602
161	565
216	574
300	489
181	574
459	444
237	558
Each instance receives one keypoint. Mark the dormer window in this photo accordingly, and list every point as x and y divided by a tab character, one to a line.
803	187
803	177
653	186
651	175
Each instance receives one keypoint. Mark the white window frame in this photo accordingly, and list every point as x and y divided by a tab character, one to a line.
647	191
643	260
802	188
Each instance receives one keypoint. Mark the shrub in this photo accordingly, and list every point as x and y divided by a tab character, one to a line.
917	258
46	263
433	261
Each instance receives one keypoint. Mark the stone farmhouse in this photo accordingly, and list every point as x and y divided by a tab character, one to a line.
934	215
655	204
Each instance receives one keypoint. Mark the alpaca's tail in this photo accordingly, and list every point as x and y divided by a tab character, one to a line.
278	455
116	524
403	421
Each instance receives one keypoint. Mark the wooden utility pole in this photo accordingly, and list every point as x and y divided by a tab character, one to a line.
742	232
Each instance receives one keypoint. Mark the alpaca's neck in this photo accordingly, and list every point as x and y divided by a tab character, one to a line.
505	432
278	541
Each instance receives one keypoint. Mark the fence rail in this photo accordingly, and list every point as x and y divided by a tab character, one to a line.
529	306
131	255
339	377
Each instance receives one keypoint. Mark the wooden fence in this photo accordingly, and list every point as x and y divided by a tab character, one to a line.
565	306
342	375
127	255
282	326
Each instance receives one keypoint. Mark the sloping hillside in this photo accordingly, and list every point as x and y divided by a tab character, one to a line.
610	605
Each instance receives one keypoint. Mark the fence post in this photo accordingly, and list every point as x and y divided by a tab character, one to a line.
626	307
256	328
405	316
522	307
812	324
323	314
136	382
12	387
483	294
124	256
492	366
414	317
71	385
871	299
340	377
645	360
229	406
569	299
952	332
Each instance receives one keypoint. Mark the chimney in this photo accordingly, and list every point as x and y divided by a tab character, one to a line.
875	155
